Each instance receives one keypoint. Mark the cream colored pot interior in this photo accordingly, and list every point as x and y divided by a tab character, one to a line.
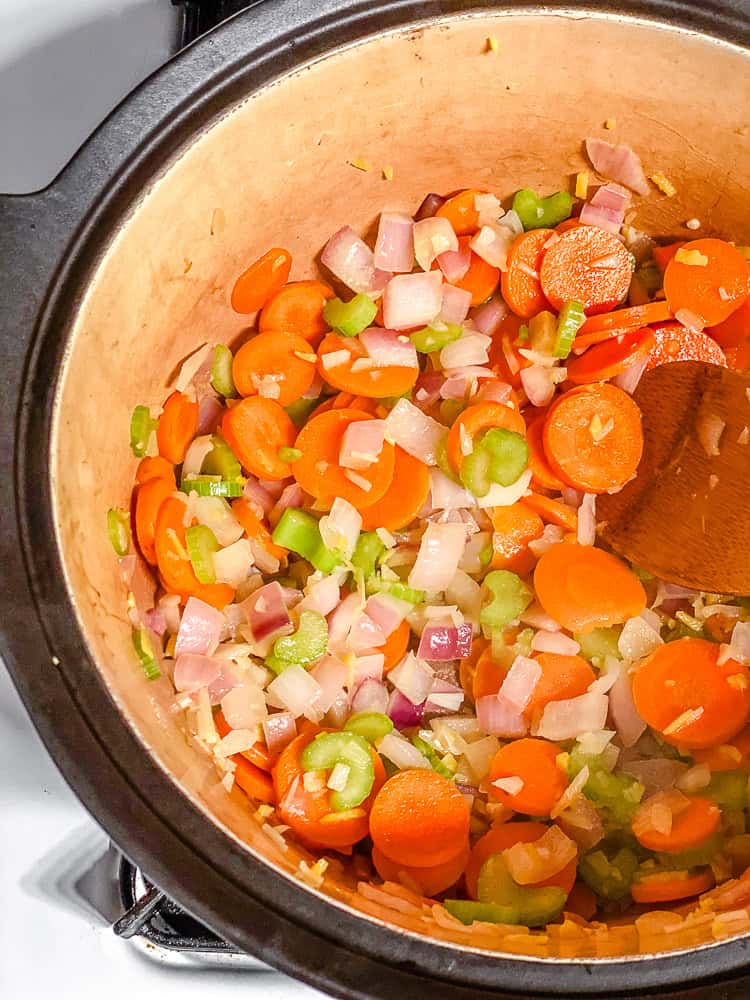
444	113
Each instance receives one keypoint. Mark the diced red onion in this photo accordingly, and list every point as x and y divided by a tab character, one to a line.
210	412
537	617
499	719
402	753
519	683
488	317
657	774
471	349
494	391
606	208
364	667
427	388
445	642
413	678
193	671
297	690
275	487
455	263
200	628
440	551
552	535
433	237
244	706
291	496
370	696
234	563
587	520
617	163
352	261
739	644
279	730
155	620
629	379
191	366
388	348
571	497
266	611
339	529
402	712
412	299
456	303
394	247
554	642
196	454
387	612
139	581
445	698
365	635
361	444
429	206
571	717
414	431
258	497
511	220
630	726
492	244
638	638
454	387
538	384
689	320
488	208
341	620
322	596
331	675
224	683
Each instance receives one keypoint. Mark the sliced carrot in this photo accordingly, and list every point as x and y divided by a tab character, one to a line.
534	761
514	527
562	677
177	427
663	255
149	498
255	529
371	382
605	361
552	511
683	693
175	568
318	471
461	212
298	308
261	280
475	419
258	754
566	224
426	881
467	667
724	757
542	476
419	819
255	429
403	499
309	814
593	438
712	291
735	330
253	781
504	353
345	401
614	323
153	467
587	265
481	279
582	901
499	839
660	889
520	283
488	675
673	342
583	588
395	646
690	828
283	358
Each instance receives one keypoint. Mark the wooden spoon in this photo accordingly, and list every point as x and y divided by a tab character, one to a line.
686	515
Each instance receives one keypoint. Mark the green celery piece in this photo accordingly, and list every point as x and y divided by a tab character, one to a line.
499	456
542	213
534	907
704	854
352	317
212	486
145	651
485	556
450	410
510	598
298	531
371	726
618	794
433	757
305	646
443	462
610	878
221	461
367	551
543	332
569	322
141	426
598	643
435	338
221	372
329	749
727	789
377	585
118	529
467	911
300	410
201	544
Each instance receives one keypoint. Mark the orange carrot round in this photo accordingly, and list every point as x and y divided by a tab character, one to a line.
711	290
488	675
475	419
665	890
514	527
735	330
395	646
614	323
255	529
583	588
542	476
673	342
481	279
297	308
403	499
691	827
593	438
499	839
520	282
587	265
177	427
419	819
562	677
611	358
318	471
284	358
427	881
504	354
552	511
261	280
461	212
534	761
683	693
153	467
149	498
255	429
175	568
257	754
376	382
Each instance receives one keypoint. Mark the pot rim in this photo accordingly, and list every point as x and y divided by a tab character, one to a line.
254	48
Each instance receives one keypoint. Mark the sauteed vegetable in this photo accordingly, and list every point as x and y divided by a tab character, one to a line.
364	555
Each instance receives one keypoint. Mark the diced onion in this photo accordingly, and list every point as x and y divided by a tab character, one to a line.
234	563
433	237
394	249
244	707
412	299
200	628
414	431
413	678
402	753
340	528
499	719
440	551
554	642
519	683
569	717
638	639
298	692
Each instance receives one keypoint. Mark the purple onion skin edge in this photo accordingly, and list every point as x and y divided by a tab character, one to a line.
429	207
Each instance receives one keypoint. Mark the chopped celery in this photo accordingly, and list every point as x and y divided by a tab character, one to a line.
300	410
298	530
367	551
510	598
212	486
221	461
450	410
118	529
372	726
142	424
704	854
441	457
467	911
352	317
728	789
485	556
201	544
569	322
221	372
289	454
532	907
305	646
145	650
377	585
435	338
598	643
433	757
617	795
543	332
329	749
610	878
542	213
499	456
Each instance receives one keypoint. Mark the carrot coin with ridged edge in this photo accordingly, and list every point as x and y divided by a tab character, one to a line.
521	288
586	265
673	342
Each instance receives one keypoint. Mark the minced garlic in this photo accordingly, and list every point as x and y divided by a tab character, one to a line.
664	184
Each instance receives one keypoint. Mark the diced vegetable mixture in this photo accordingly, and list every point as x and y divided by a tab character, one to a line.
364	554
